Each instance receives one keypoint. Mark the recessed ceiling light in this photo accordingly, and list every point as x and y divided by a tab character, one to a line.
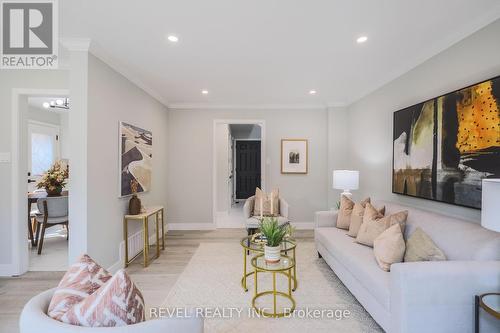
312	92
361	39
204	92
173	39
46	105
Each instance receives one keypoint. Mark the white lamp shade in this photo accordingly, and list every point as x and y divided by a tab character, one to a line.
490	214
345	179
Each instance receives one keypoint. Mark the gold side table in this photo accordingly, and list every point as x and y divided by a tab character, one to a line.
158	212
249	246
490	303
285	265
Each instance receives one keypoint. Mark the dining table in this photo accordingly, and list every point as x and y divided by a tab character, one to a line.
33	198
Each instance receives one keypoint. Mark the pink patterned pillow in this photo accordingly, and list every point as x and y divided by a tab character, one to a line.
117	303
82	279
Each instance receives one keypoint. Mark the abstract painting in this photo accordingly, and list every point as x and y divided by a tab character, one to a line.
136	153
294	156
444	147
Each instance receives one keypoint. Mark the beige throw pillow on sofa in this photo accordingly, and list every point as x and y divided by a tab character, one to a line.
266	203
357	217
373	224
420	247
344	214
389	247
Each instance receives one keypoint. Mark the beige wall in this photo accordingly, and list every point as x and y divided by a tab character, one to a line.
474	59
111	99
190	137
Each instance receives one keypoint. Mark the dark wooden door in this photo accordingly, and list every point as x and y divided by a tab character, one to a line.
247	168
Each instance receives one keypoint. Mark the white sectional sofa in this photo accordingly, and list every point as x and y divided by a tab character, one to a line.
420	296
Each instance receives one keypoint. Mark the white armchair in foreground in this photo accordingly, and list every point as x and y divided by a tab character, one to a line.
34	319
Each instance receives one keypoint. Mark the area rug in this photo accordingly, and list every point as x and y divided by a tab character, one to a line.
211	283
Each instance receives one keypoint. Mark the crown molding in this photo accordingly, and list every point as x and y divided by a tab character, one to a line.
86	45
99	53
209	106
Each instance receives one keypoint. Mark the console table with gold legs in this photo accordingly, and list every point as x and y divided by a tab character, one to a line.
158	213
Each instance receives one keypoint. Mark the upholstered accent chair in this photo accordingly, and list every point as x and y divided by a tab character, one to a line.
252	222
52	211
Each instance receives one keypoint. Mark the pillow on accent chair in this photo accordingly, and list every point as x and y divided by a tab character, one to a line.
389	247
420	247
345	212
375	223
266	203
357	217
117	303
82	279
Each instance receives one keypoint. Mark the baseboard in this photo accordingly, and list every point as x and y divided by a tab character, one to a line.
303	225
7	270
191	226
116	266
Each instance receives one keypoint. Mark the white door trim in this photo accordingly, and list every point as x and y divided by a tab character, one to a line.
262	124
19	208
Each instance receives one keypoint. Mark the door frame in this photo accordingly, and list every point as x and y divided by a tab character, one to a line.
262	124
19	167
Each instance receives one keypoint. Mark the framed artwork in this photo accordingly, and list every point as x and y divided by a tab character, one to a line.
294	157
445	146
136	153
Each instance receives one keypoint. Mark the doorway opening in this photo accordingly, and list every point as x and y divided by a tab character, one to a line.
239	167
43	143
47	141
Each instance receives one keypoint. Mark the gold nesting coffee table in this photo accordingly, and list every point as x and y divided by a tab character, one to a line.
250	246
285	265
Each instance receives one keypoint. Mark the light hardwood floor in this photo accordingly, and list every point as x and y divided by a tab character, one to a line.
155	281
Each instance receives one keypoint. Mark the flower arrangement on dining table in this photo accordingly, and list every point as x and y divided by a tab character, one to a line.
54	179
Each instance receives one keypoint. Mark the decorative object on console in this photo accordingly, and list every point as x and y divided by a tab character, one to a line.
345	180
376	223
294	156
389	247
445	146
274	234
358	212
136	153
54	180
489	209
134	204
420	247
266	204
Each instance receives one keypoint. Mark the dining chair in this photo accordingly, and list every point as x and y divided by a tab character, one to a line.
53	211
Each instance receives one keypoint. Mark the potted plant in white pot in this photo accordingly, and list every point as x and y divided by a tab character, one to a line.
274	235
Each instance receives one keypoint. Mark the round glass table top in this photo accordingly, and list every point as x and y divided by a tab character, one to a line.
284	264
491	303
251	245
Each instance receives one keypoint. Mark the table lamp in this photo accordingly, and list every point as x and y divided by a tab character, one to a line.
345	180
490	216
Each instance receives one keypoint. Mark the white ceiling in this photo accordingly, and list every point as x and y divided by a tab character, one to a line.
264	52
